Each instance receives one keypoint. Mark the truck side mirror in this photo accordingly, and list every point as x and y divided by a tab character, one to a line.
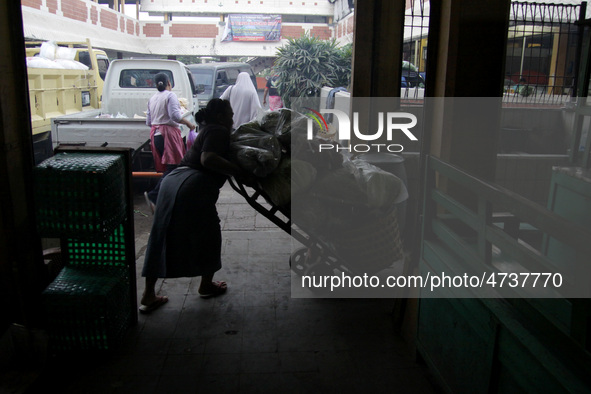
200	88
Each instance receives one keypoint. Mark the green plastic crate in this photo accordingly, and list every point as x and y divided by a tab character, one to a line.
80	194
109	252
86	311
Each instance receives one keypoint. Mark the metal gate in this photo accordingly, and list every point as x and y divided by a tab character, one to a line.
541	58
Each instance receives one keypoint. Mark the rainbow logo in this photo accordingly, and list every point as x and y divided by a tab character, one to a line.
318	118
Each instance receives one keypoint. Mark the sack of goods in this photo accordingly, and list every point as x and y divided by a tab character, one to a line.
276	149
53	56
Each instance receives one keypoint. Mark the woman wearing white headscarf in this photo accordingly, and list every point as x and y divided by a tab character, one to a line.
243	98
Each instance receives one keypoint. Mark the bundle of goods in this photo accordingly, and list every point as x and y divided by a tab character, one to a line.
276	149
341	199
53	56
254	150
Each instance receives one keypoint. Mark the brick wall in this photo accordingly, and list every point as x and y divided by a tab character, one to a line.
94	15
344	27
108	19
153	29
32	3
187	30
52	5
130	27
322	32
75	9
87	11
291	31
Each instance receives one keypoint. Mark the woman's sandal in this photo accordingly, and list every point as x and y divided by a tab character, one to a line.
157	303
217	289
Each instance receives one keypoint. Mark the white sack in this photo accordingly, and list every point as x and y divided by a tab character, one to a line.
41	62
48	50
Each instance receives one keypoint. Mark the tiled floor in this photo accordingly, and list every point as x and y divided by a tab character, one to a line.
255	338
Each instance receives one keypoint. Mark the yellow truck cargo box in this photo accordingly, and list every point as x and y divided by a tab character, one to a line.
56	92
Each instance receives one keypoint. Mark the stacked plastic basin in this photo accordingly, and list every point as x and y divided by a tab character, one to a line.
81	199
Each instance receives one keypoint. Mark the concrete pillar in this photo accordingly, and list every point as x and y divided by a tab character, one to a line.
377	48
377	60
21	263
467	61
560	49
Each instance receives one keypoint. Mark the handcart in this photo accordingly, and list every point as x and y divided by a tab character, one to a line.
365	248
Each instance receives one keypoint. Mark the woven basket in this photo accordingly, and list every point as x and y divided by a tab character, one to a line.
369	244
80	194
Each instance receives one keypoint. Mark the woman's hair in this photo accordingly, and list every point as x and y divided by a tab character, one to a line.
161	80
210	113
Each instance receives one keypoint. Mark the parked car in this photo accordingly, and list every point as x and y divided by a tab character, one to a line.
212	79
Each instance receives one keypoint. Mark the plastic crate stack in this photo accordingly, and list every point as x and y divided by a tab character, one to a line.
81	198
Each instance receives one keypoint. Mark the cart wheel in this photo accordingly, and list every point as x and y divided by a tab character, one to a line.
298	261
319	268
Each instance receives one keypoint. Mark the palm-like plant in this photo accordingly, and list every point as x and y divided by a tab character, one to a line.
307	63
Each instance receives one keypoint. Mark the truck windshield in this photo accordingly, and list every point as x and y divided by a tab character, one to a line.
142	78
103	66
203	77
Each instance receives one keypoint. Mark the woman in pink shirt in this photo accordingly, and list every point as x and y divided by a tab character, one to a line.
163	116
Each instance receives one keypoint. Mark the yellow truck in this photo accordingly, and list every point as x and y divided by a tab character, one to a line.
54	92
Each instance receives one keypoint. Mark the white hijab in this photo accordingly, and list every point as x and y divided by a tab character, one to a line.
244	99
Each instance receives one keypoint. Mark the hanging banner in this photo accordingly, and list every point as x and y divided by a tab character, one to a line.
245	27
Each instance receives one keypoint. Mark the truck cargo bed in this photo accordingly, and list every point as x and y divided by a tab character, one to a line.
89	130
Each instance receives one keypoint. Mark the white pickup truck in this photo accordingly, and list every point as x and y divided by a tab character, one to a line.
121	122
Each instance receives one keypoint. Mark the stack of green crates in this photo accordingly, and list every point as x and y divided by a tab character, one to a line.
108	252
84	310
80	194
80	197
